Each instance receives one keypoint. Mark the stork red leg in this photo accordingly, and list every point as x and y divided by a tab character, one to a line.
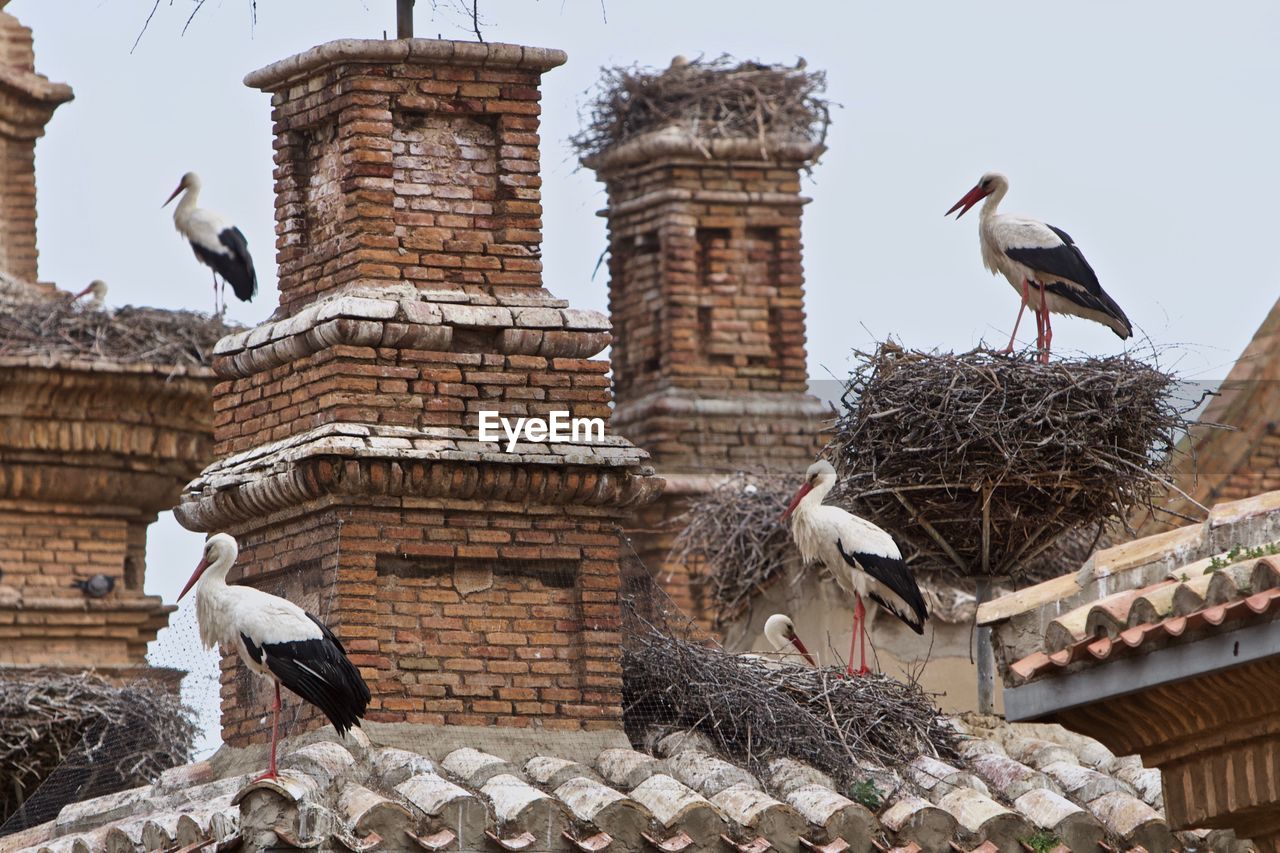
1023	307
853	637
1048	327
275	721
861	612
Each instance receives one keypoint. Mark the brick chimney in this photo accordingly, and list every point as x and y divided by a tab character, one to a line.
707	300
27	102
473	586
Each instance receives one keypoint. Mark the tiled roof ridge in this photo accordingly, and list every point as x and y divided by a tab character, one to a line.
1202	596
1017	780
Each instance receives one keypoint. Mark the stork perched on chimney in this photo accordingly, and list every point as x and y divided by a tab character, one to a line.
217	243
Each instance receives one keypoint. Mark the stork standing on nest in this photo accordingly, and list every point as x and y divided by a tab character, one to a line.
864	560
278	639
96	293
1043	264
217	243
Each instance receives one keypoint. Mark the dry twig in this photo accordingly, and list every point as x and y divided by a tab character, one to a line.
47	327
711	99
755	711
1039	451
104	737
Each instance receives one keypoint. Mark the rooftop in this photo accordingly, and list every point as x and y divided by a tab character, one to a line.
1019	780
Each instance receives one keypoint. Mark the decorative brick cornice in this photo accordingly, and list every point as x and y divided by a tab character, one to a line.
28	623
406	52
403	316
356	460
682	403
84	431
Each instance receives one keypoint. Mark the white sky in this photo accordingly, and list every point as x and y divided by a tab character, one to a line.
1146	129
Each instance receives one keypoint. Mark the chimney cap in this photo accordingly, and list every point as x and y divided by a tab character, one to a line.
408	51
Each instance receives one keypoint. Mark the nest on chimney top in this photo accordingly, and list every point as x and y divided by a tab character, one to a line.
983	462
707	98
66	737
57	326
756	710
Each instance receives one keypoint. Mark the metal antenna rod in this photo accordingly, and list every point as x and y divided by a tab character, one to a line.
404	19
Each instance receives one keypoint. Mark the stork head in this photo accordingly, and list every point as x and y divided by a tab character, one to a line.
988	184
220	551
780	631
190	181
97	289
820	476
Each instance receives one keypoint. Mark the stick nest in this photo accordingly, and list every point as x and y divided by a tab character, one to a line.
982	462
81	737
128	335
755	711
710	99
735	536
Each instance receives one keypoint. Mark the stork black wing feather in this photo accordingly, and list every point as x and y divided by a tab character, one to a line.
1064	266
320	672
893	573
235	265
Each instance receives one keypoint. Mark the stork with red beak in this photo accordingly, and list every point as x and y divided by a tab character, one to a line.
278	639
217	243
1042	263
864	560
780	632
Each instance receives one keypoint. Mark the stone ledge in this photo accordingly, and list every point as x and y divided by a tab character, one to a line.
680	403
403	316
375	460
441	52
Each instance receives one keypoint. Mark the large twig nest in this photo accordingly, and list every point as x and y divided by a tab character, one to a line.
66	737
708	100
754	711
735	537
982	462
60	327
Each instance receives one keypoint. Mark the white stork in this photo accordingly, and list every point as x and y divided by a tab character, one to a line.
864	560
1043	264
278	639
217	243
780	632
97	293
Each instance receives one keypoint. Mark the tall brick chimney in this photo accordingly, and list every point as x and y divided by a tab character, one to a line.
471	585
27	102
706	298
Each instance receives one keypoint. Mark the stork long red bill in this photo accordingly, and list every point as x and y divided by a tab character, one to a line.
204	564
972	197
795	502
800	647
181	186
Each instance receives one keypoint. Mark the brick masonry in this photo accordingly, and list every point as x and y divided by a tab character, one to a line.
470	585
27	102
706	293
92	452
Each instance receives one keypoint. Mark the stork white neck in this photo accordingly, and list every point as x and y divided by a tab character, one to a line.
1000	187
816	495
190	194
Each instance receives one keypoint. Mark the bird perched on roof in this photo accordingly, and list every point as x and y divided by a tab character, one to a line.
864	559
275	638
1042	263
217	243
96	586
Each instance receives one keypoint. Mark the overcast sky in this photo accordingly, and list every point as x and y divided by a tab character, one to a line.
1148	130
